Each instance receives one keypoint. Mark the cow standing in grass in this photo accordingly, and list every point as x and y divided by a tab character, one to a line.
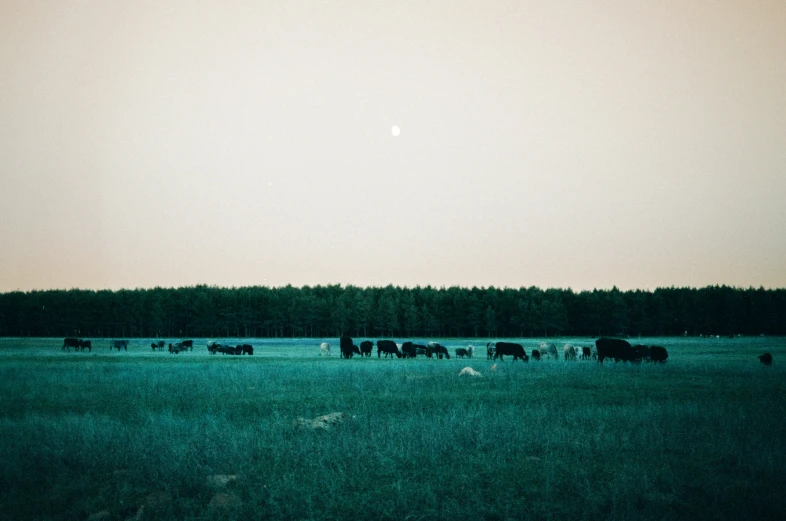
388	347
491	349
69	343
324	349
509	348
365	348
347	347
119	344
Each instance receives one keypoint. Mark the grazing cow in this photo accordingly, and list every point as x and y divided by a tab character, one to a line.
616	349
569	352
408	350
388	347
85	344
324	349
70	342
226	350
461	352
470	351
491	349
586	353
658	354
247	349
548	350
118	344
766	359
509	348
154	346
641	352
536	355
346	346
189	344
178	347
212	347
365	348
439	350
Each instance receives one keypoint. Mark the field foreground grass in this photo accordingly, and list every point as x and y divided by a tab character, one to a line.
142	435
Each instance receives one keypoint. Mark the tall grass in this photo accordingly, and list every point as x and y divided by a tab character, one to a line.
553	440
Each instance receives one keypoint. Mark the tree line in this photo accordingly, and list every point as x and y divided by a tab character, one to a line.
392	311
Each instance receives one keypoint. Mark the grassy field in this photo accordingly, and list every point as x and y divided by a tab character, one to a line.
142	435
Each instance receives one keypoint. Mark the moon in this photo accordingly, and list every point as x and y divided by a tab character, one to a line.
395	130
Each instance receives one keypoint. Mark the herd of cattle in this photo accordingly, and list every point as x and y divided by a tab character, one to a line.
604	348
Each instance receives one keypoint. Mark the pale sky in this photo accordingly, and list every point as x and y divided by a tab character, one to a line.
580	144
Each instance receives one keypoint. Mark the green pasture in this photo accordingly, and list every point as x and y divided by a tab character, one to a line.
139	434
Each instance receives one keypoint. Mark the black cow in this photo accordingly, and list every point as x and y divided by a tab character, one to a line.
586	353
177	347
189	344
158	345
461	352
347	347
536	355
618	350
766	359
226	350
85	344
388	347
365	347
70	342
118	344
658	354
509	348
409	351
642	352
439	350
247	349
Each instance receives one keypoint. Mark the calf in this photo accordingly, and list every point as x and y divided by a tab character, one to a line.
365	348
461	352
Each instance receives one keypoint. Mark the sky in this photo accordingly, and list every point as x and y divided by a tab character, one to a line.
560	144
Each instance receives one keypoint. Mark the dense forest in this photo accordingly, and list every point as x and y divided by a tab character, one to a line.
328	311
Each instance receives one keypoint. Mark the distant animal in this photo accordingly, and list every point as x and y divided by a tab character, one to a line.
468	371
247	349
355	350
766	359
346	347
226	350
177	348
324	349
85	344
470	351
586	353
509	348
461	352
641	352
189	344
408	350
569	352
212	347
388	347
438	350
119	344
69	343
365	347
658	354
548	350
616	349
536	355
491	349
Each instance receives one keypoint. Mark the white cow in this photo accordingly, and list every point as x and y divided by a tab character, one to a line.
547	350
324	349
470	351
569	352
